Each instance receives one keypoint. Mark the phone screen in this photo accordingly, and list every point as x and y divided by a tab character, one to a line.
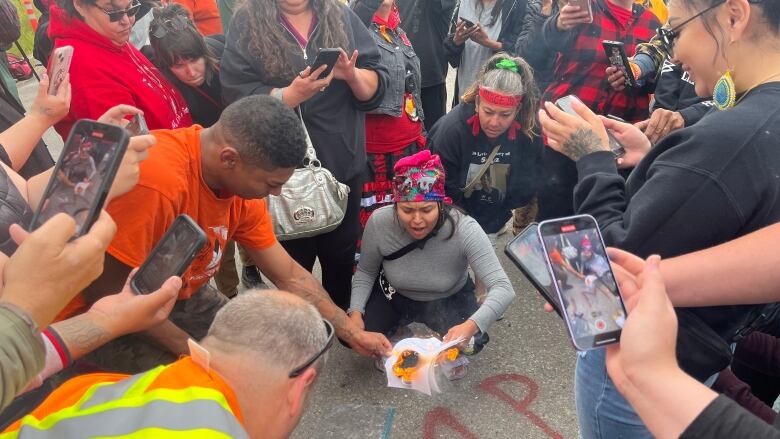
527	253
83	174
593	309
171	256
616	53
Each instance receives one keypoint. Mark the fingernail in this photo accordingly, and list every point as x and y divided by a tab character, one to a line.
654	261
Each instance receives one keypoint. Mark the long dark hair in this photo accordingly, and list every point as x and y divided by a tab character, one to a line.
269	41
180	40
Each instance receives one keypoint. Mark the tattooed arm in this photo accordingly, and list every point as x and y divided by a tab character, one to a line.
571	135
117	315
288	275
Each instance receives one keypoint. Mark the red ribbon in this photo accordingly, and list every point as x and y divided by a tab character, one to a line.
499	99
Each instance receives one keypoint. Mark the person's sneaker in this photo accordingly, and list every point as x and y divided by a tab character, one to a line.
250	277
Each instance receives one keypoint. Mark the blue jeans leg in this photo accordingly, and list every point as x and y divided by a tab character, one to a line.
602	411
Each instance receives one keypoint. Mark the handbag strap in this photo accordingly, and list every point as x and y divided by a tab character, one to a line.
311	153
470	185
420	243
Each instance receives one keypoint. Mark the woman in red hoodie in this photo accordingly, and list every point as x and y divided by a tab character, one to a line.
106	69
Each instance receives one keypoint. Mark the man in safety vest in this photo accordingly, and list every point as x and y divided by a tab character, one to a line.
249	377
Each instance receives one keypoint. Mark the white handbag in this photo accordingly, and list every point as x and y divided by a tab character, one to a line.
312	201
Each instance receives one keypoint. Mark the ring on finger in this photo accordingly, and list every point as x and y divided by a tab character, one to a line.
301	74
323	88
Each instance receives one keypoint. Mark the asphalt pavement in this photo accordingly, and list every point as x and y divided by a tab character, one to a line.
520	386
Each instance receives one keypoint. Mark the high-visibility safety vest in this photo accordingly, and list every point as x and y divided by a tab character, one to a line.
181	400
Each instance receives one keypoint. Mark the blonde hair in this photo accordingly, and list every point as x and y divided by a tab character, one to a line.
510	83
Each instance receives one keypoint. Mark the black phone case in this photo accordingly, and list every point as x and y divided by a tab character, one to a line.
539	288
326	56
97	204
629	74
180	221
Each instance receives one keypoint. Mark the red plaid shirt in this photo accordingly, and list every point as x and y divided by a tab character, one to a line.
581	62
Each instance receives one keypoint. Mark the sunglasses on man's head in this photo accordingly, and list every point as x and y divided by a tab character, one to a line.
176	24
118	14
302	368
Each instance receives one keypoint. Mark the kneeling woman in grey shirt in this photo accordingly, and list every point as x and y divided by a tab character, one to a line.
429	283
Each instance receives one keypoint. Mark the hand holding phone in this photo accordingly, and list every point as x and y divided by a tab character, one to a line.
616	53
171	256
565	104
83	174
577	261
574	13
326	57
469	23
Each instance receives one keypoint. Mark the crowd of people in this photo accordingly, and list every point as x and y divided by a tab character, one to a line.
235	105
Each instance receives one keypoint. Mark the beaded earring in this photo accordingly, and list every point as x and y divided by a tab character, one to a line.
725	93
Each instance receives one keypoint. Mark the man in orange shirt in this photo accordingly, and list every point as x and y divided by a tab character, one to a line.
219	176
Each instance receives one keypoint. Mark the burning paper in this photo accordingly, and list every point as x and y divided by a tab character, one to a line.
411	365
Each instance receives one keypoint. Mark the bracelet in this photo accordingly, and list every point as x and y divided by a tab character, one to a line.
22	314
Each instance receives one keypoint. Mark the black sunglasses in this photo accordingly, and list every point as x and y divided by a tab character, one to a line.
176	24
114	16
668	36
300	369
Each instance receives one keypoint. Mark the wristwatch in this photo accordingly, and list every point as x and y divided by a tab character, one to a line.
278	93
22	314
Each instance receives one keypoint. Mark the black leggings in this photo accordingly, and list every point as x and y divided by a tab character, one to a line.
386	316
336	249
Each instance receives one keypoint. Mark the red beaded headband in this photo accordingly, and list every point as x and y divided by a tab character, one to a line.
499	99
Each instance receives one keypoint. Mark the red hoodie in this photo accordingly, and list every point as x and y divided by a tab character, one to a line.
103	75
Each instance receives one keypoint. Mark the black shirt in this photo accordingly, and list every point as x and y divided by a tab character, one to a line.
699	187
725	419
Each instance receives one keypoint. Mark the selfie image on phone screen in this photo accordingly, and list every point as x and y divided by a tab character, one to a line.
83	174
171	256
577	260
527	253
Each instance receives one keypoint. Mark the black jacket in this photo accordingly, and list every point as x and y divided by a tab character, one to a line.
334	118
516	167
532	47
697	188
675	91
725	419
427	23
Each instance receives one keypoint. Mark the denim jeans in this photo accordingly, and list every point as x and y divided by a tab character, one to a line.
602	411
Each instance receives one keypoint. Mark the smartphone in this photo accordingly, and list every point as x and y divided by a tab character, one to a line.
137	126
172	255
469	23
60	65
525	251
565	104
616	53
326	56
584	5
577	261
83	174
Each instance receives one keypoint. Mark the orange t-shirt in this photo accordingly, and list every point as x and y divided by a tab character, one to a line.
171	183
204	14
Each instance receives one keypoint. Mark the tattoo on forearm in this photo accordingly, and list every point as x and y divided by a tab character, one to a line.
583	142
81	335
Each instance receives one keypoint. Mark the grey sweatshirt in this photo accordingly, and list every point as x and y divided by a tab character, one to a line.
437	271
